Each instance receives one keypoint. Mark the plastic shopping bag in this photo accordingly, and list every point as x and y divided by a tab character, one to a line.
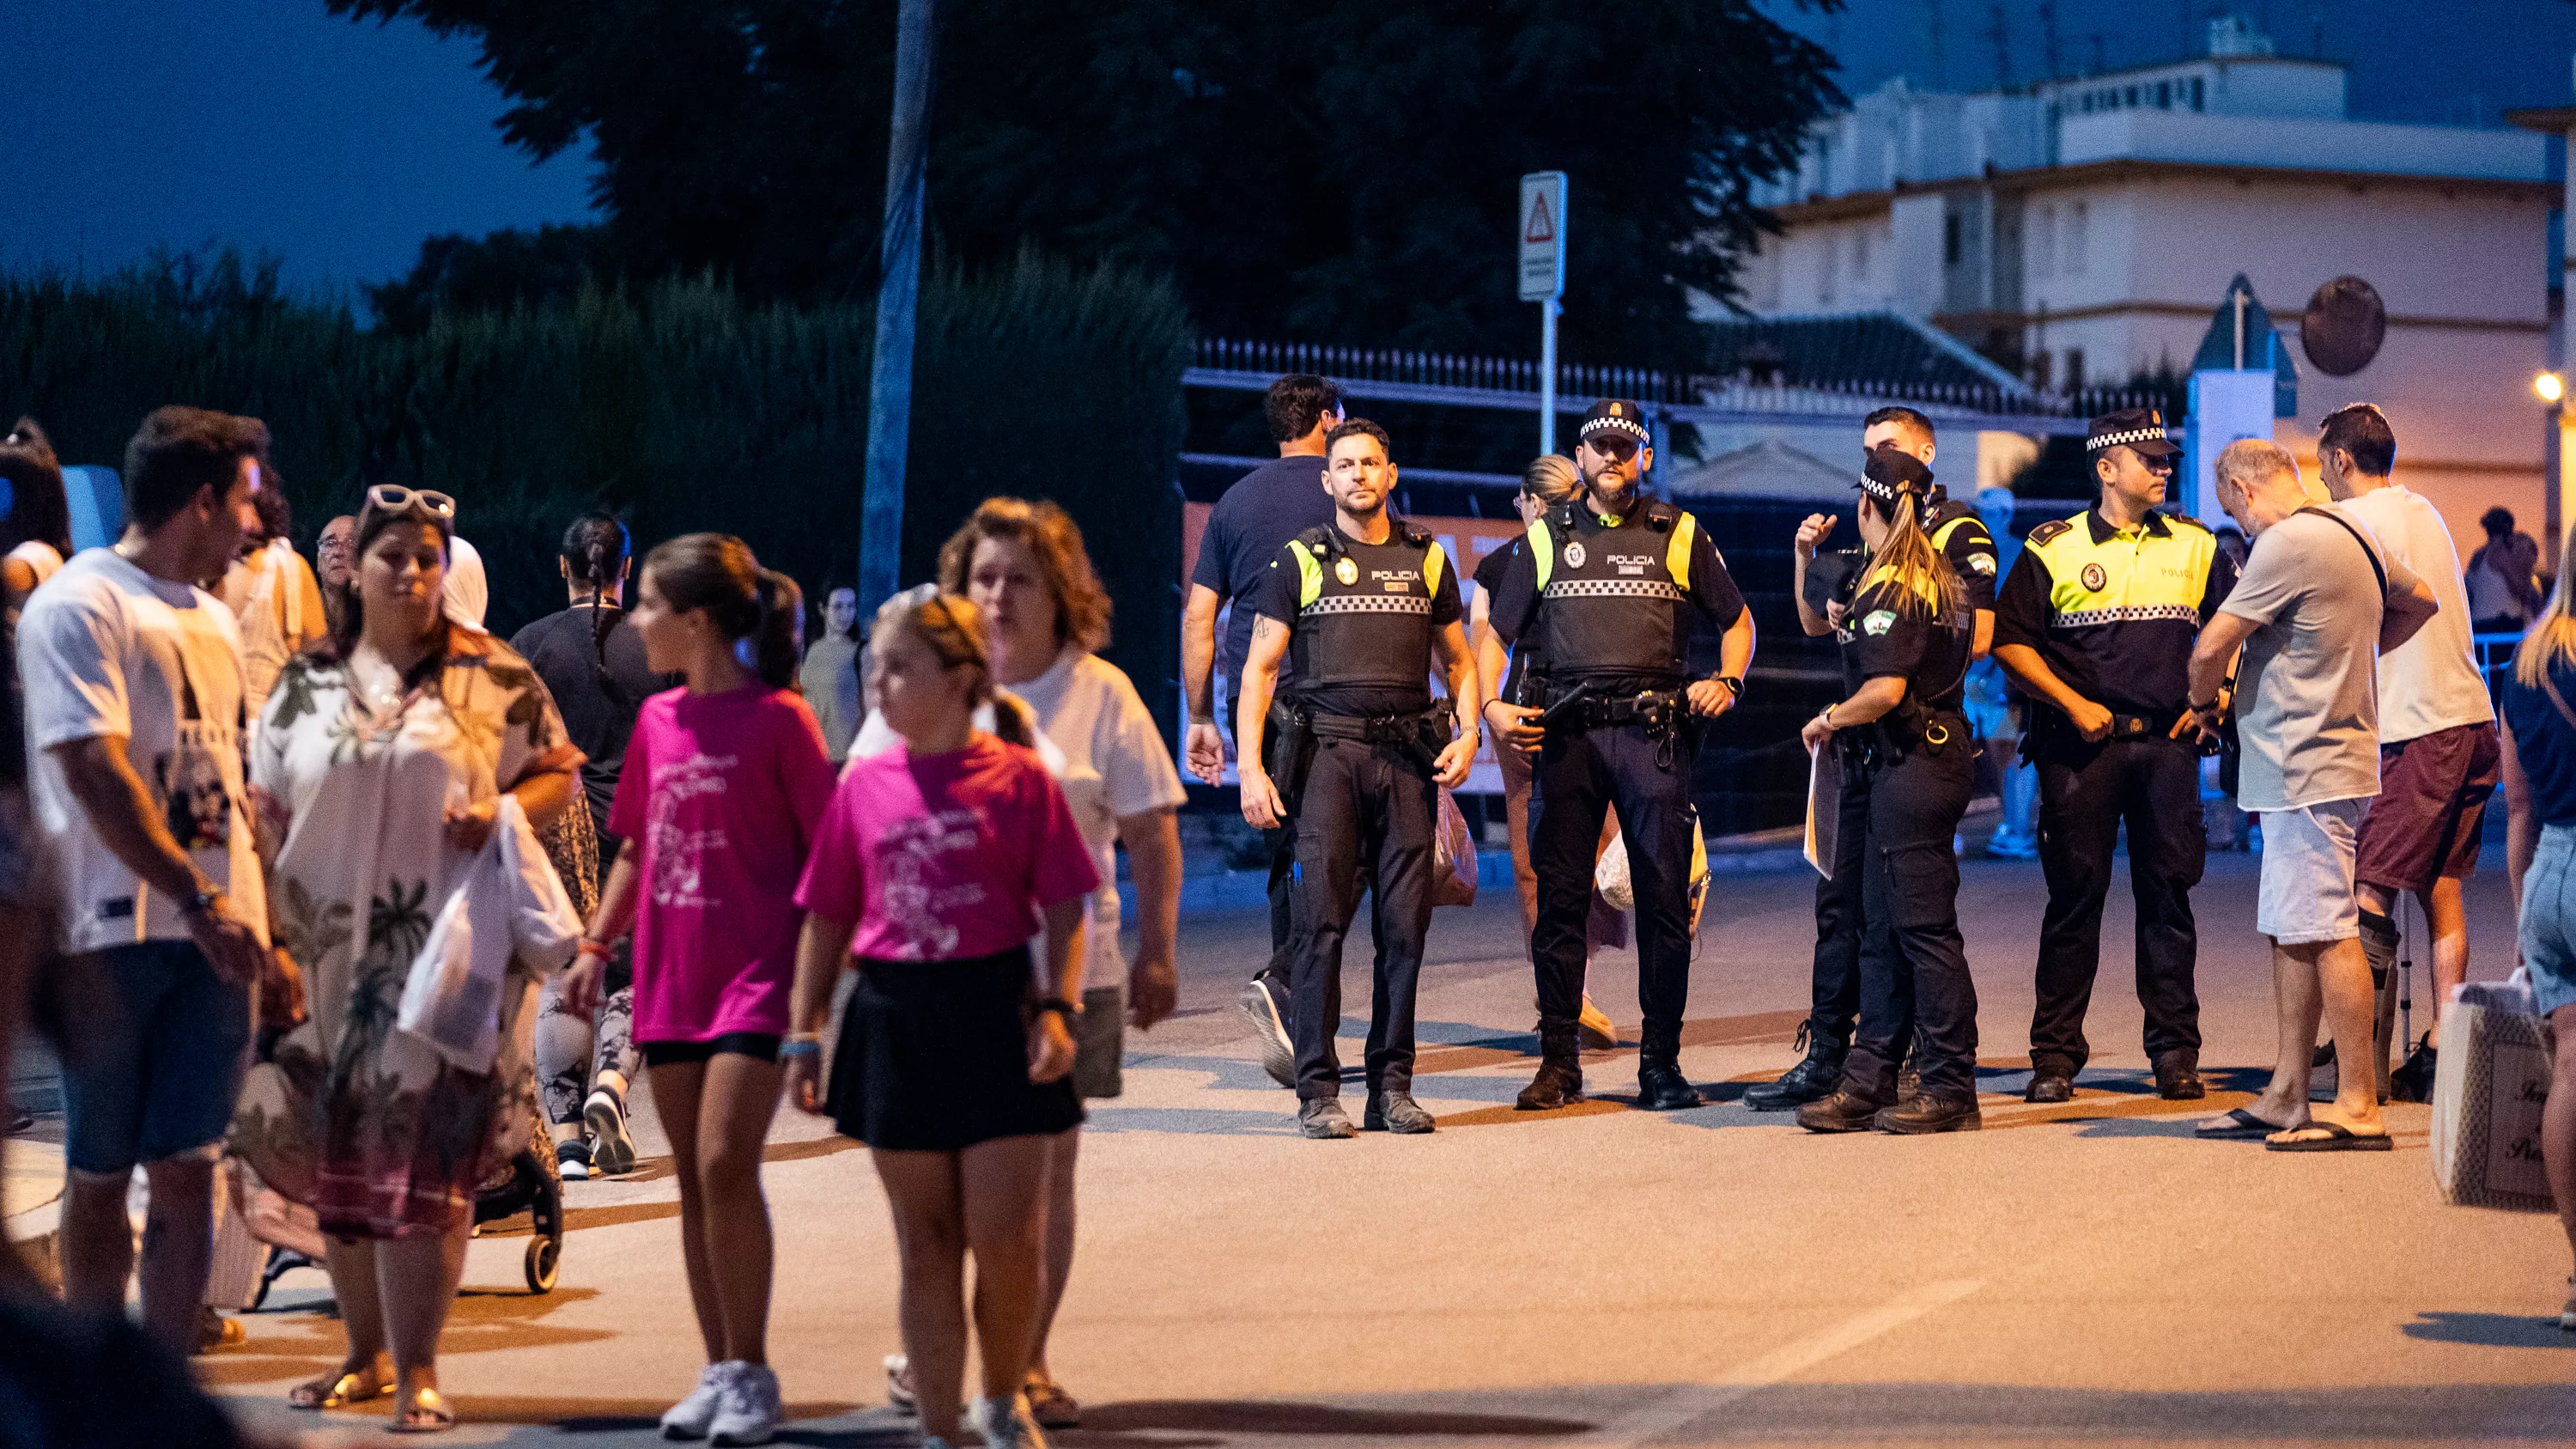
508	904
1453	856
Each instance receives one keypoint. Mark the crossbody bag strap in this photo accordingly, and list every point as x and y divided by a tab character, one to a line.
2377	569
2549	687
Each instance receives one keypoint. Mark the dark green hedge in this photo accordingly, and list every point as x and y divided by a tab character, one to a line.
680	407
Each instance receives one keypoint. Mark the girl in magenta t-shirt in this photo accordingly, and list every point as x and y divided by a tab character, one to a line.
724	785
935	865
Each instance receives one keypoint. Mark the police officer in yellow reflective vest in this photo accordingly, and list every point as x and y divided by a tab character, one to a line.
1959	536
2096	625
1607	591
1364	608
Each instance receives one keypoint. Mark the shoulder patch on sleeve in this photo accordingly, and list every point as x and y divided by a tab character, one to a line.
2053	529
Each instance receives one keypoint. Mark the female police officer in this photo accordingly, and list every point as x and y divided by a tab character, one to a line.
1905	643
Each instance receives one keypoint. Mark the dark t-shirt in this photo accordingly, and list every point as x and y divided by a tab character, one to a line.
2545	744
1969	548
1249	525
1881	639
598	702
1489	576
1277	597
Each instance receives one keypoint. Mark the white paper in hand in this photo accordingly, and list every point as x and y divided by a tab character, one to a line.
1824	807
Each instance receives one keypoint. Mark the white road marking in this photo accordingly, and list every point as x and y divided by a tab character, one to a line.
1679	1407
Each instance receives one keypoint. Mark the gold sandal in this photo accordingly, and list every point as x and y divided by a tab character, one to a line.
428	1414
340	1391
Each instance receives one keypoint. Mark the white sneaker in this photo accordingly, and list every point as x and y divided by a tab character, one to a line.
899	1394
1005	1423
689	1418
748	1412
612	1152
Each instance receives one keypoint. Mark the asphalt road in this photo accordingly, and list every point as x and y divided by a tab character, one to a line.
2083	1273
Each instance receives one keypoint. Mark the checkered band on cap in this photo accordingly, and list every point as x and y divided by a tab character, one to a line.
1883	492
1616	425
2100	441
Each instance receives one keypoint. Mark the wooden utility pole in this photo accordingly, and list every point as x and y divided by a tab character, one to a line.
898	293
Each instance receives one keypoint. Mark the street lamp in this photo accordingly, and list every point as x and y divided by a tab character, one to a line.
2549	387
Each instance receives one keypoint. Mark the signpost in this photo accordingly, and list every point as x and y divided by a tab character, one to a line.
1541	231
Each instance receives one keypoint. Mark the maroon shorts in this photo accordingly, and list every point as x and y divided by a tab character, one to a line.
2433	793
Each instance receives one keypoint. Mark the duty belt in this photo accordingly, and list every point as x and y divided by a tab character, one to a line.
1665	713
1408	734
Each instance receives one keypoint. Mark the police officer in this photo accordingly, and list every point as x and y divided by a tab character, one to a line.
2095	625
1605	592
1362	608
1960	535
1906	754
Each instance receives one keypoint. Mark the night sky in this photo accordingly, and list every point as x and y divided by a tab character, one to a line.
337	147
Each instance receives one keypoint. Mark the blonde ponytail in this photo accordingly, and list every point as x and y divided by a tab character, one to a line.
2552	638
1924	583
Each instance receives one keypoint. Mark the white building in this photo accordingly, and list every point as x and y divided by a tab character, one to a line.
2083	230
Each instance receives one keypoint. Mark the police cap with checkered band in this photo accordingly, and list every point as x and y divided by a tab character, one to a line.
1618	417
2139	428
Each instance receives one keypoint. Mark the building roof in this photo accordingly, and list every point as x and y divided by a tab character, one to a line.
1866	348
1768	469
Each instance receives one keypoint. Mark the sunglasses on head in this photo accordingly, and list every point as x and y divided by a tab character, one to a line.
393	498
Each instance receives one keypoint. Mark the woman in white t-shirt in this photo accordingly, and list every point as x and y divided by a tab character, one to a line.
1024	564
274	596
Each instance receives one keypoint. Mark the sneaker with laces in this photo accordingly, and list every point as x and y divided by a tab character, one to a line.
748	1411
572	1161
1265	1009
1005	1423
689	1418
611	1151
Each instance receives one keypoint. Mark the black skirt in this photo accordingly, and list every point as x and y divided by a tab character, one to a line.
934	1057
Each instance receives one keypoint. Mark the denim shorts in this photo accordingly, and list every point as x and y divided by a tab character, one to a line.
2549	919
154	1070
2306	894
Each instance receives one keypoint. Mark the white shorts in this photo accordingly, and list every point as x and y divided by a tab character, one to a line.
2308	857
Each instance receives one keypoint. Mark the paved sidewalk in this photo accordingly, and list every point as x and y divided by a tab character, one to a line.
2077	1273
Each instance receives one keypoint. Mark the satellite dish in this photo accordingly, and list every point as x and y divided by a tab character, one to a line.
2344	326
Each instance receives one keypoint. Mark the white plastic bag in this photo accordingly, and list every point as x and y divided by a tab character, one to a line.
507	904
1610	873
2489	1085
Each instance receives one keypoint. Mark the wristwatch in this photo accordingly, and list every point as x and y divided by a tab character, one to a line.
1734	686
1060	1007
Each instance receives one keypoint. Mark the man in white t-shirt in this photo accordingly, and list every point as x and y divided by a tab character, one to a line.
133	682
2439	754
2318	602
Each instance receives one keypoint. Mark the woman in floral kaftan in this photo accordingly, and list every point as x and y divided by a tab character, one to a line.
379	767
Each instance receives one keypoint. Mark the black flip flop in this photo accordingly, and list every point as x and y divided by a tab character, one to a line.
2338	1138
2243	1126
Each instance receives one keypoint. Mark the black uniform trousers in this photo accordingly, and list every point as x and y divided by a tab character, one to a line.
1914	983
1580	775
1838	919
2085	793
1365	817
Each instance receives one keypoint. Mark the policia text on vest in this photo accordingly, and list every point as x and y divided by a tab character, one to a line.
1365	608
1604	599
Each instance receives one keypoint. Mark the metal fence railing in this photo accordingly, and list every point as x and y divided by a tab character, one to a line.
2494	653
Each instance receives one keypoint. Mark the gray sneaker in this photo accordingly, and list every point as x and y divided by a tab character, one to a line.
748	1411
1265	1008
1324	1117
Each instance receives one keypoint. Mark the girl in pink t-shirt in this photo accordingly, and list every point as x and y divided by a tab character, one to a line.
934	866
724	785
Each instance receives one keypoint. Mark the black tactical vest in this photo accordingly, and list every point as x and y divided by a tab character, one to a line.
1364	610
1611	599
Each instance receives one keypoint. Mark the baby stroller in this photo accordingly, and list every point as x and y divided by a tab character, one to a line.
527	1183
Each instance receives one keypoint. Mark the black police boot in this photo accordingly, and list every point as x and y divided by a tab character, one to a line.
2052	1079
1396	1112
2178	1075
1844	1111
1811	1080
1560	1072
1661	1087
1924	1113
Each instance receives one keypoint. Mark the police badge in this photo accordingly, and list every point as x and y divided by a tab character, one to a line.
1574	553
1347	571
